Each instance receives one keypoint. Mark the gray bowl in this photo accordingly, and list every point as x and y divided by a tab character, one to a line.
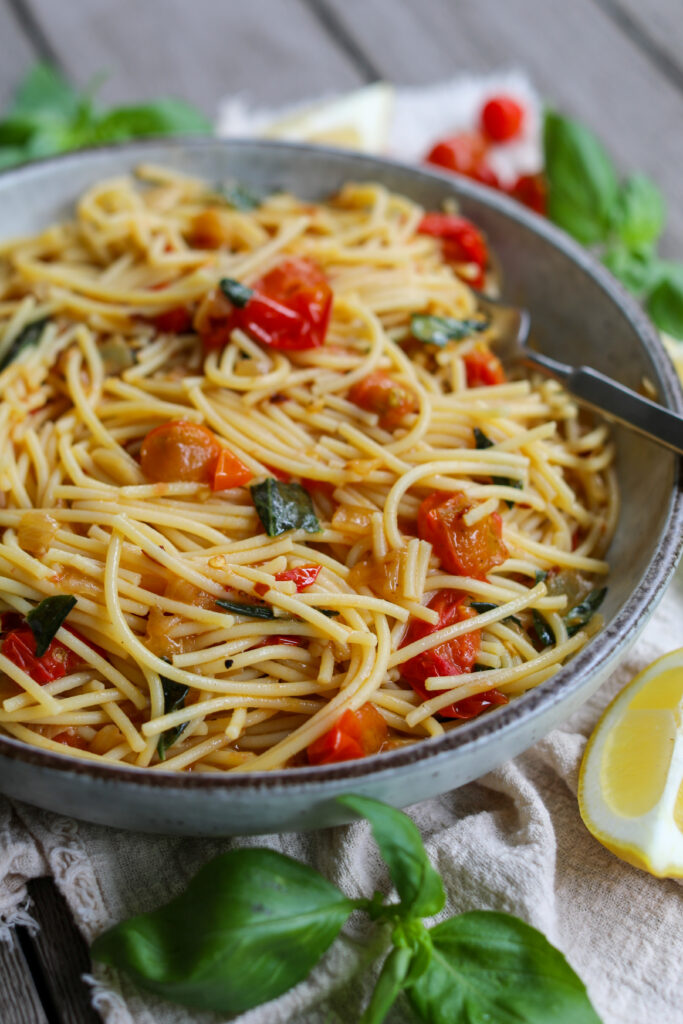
580	314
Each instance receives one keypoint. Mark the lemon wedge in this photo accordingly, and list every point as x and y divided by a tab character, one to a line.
358	120
631	779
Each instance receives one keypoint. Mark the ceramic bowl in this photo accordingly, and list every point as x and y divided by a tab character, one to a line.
580	314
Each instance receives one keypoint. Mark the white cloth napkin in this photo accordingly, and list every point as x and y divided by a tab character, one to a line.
512	841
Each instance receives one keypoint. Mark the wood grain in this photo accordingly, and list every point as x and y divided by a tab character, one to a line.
17	53
274	50
19	1000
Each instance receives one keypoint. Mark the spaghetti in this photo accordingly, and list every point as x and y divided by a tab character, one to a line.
302	511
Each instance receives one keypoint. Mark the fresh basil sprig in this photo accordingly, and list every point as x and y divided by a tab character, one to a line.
439	330
253	923
282	506
46	618
236	292
621	221
27	337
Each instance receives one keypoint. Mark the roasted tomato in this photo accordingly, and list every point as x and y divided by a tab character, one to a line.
462	242
466	154
19	645
303	575
230	472
483	368
173	321
180	451
463	550
356	734
380	393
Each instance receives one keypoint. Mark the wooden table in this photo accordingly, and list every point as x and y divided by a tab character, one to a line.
616	64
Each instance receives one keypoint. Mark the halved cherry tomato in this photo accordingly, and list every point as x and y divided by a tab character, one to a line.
70	738
356	734
501	118
463	550
19	645
279	474
532	191
464	154
179	451
483	368
304	576
173	321
380	393
230	472
462	241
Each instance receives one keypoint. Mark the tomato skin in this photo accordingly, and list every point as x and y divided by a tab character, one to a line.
463	550
356	734
208	230
502	118
380	393
462	241
19	645
304	576
179	451
532	191
464	154
230	472
173	321
70	738
483	368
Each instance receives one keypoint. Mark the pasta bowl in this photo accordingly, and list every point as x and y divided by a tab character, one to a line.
580	314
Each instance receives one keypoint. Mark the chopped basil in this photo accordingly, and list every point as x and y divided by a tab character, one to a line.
439	330
228	662
581	614
239	196
282	506
174	699
256	611
485	606
46	618
27	336
480	668
482	441
238	293
545	635
330	612
541	575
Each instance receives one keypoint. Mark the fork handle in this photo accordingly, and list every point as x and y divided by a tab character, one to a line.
617	401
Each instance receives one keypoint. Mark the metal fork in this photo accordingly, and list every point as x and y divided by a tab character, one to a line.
590	387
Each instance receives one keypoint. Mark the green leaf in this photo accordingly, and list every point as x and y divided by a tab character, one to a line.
545	635
582	182
161	117
239	196
439	330
417	883
44	91
581	614
637	269
639	215
493	967
256	611
174	699
665	302
250	925
485	606
482	441
283	507
389	984
46	618
27	337
236	292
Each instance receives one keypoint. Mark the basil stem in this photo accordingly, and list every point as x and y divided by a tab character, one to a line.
284	506
256	611
27	336
46	618
439	330
238	293
581	614
481	441
174	699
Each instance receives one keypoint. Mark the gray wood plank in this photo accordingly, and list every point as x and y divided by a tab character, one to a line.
577	55
61	954
19	1000
274	50
16	53
657	27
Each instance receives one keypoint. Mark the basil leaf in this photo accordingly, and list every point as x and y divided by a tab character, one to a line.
418	884
637	269
174	699
238	293
256	611
250	925
665	302
27	336
482	441
540	576
162	117
545	635
581	614
639	211
239	196
388	986
494	967
44	91
485	606
46	618
582	183
439	330
283	507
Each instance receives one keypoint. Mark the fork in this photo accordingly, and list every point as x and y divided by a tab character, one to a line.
590	387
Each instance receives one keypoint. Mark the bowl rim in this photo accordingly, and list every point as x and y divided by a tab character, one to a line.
474	733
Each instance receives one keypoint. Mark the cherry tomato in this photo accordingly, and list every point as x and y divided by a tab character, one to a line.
230	472
463	550
287	639
71	739
462	242
464	154
483	368
380	393
179	451
173	321
19	645
532	191
356	734
208	230
502	118
304	576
